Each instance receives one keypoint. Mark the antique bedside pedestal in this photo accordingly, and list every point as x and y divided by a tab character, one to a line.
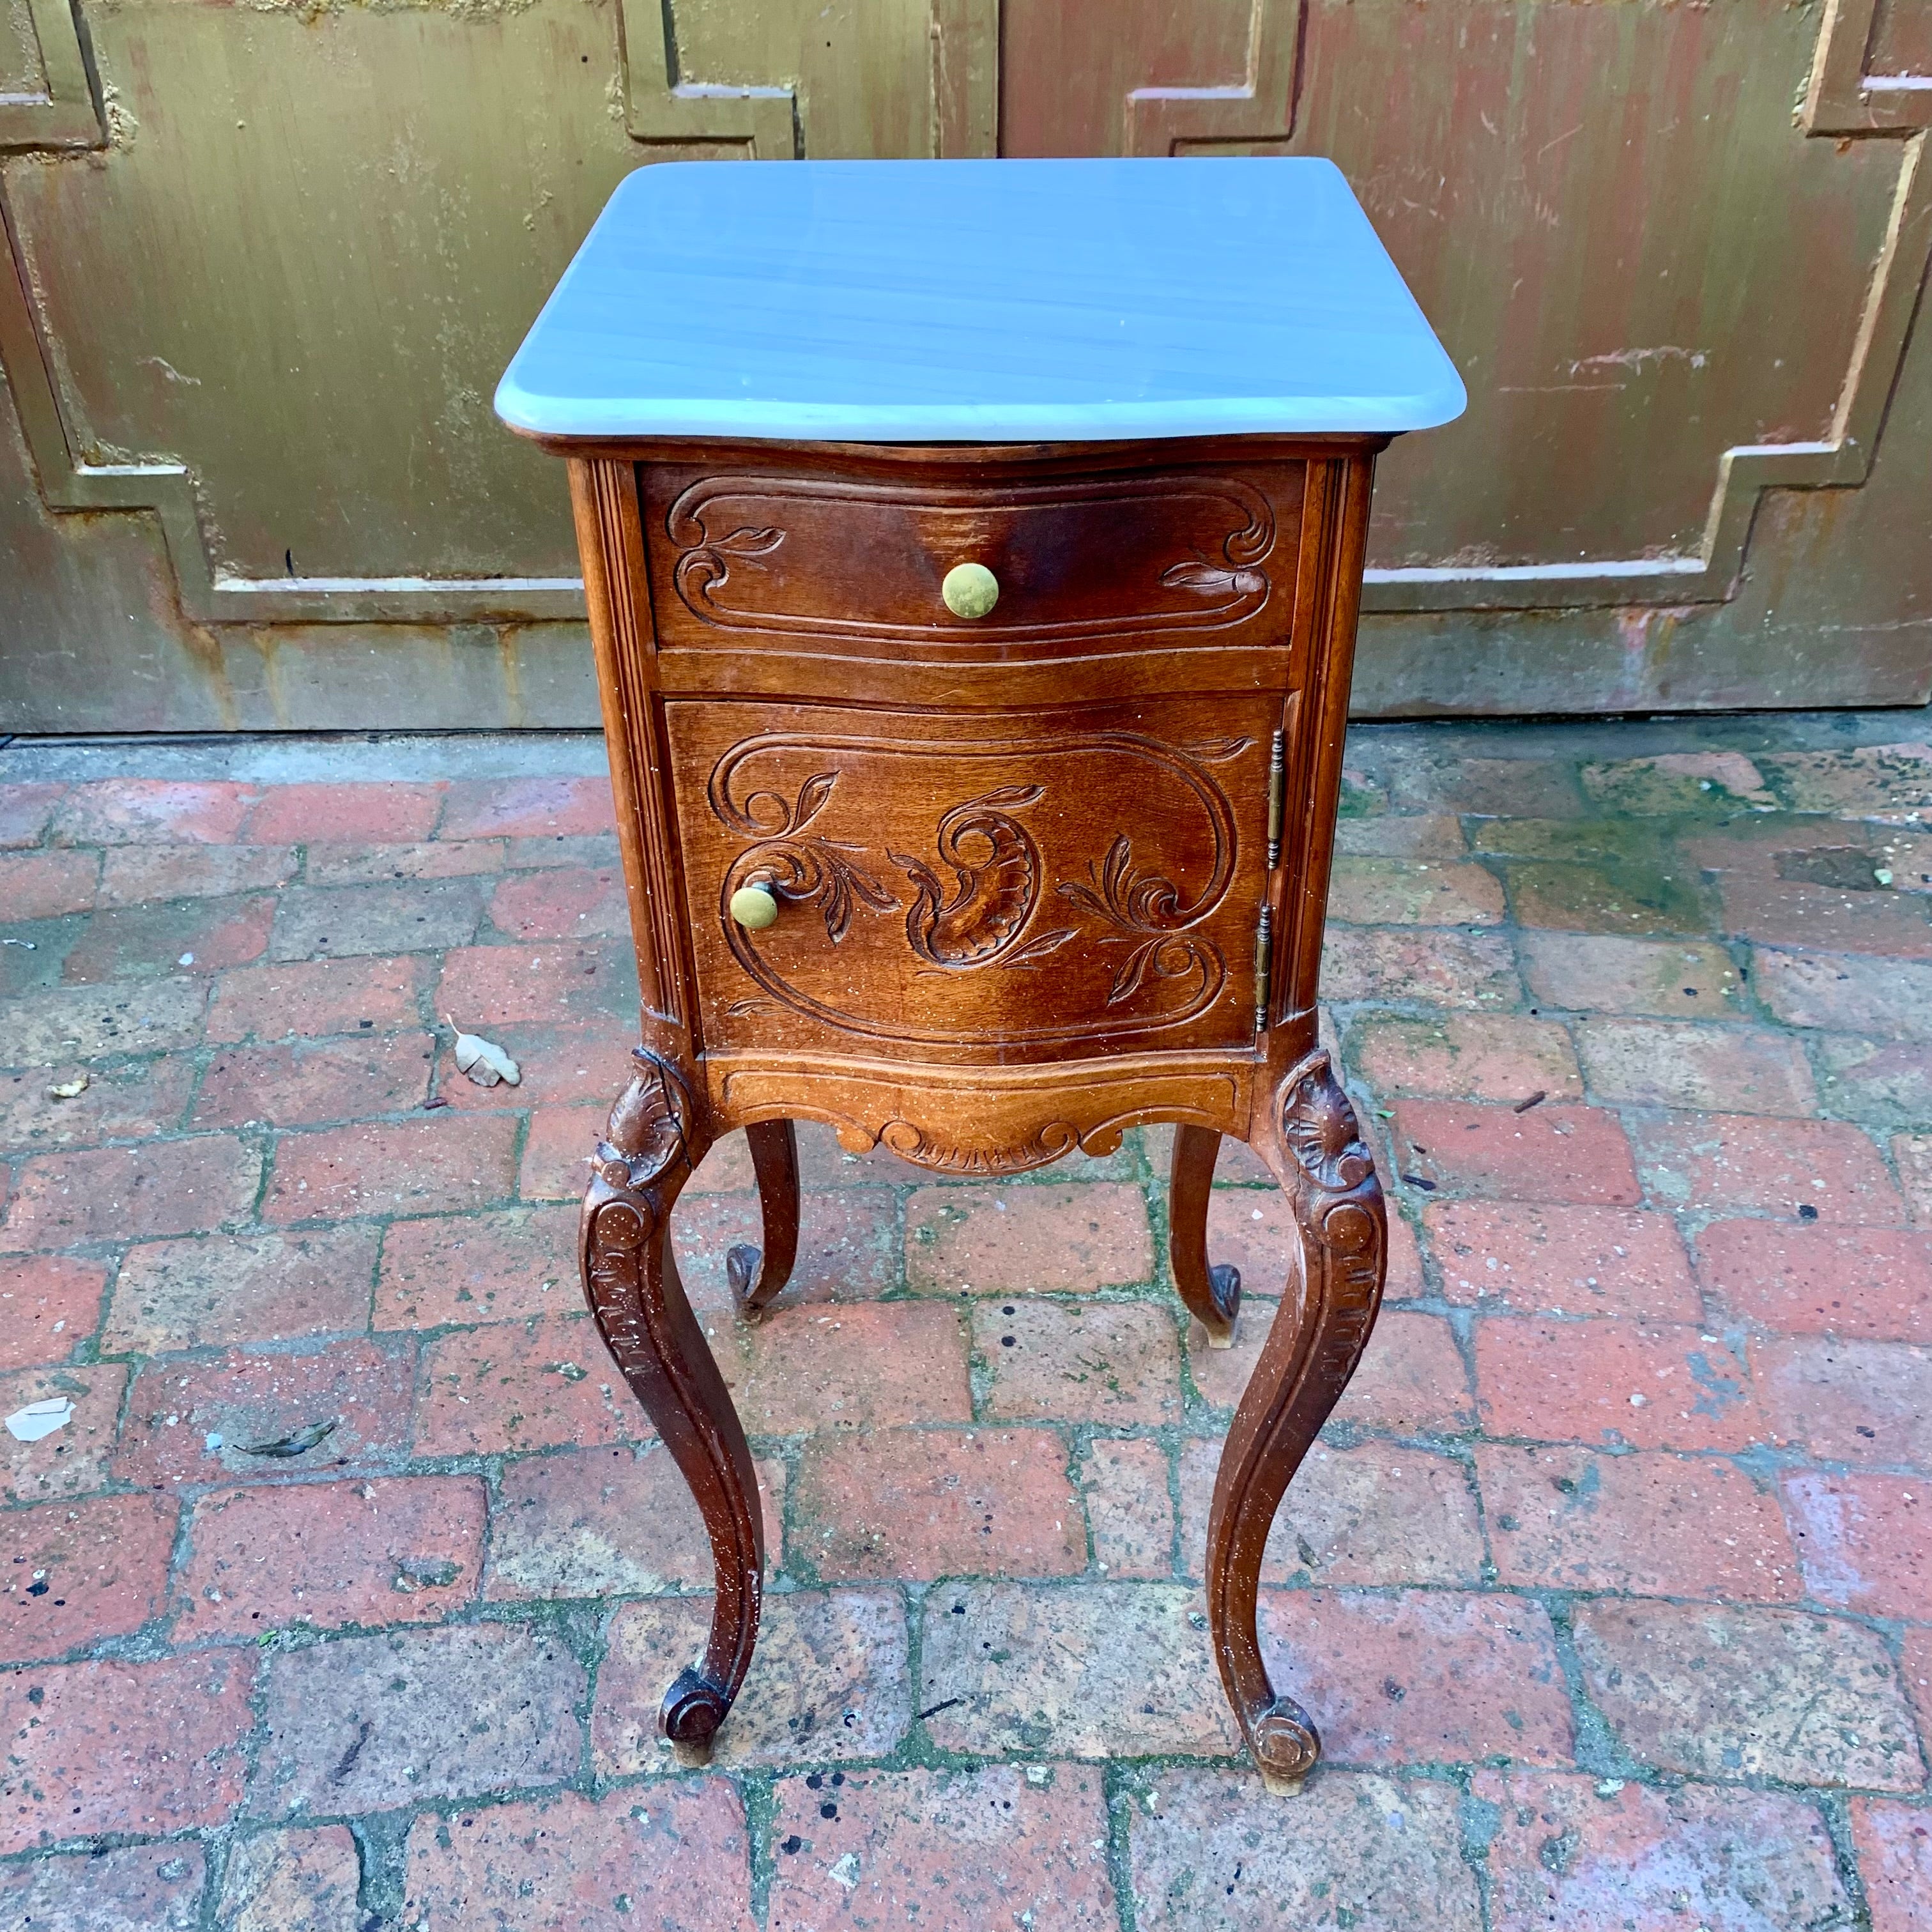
972	551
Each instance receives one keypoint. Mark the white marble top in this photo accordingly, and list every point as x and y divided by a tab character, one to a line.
904	301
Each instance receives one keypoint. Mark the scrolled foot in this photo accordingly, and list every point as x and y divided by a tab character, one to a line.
741	1271
692	1709
1285	1745
1224	1289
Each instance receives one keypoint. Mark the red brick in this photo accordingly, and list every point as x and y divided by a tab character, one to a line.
1573	1260
238	1399
127	1099
240	1288
1913	1153
516	1385
1872	1282
1098	1670
45	885
1781	912
1915	1664
345	922
608	1522
955	1849
1651	1524
136	1888
445	1163
850	1245
588	1061
1865	1541
194	935
1110	1362
1411	1377
291	1882
1895	1848
1866	779
1452	780
939	1503
300	814
74	1460
478	1268
311	998
1420	1677
58	1024
527	807
134	874
1014	1240
1885	1083
829	1682
1252	1230
556	1164
1212	1852
1738	1160
868	1365
407	1549
1571	1851
1592	972
1130	1514
1373	1513
372	1724
293	1084
1446	968
138	1748
1720	1692
47	1304
1887	999
120	1194
1851	1402
120	811
1635	897
361	863
612	1865
1574	1381
1413	892
1736	1070
78	1572
25	810
1551	1153
564	904
1438	836
548	984
1466	1057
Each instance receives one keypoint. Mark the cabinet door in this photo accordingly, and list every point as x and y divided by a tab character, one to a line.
1016	886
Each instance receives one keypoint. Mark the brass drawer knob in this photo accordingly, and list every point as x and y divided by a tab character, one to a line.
754	906
971	590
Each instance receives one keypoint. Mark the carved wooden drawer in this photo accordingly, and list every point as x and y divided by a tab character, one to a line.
1020	885
855	561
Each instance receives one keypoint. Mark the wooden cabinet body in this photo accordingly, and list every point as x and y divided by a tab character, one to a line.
1040	875
1023	862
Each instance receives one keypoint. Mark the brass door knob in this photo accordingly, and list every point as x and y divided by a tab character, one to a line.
971	590
754	906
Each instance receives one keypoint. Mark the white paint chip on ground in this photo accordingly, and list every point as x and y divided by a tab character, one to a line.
40	1418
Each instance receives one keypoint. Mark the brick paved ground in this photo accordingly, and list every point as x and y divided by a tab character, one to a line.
1611	1584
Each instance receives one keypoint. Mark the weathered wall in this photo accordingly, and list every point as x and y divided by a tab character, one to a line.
264	263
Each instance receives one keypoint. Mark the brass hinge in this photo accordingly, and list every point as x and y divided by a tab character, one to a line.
1277	780
1264	960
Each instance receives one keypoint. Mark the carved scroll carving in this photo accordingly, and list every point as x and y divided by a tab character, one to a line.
926	1148
996	863
987	914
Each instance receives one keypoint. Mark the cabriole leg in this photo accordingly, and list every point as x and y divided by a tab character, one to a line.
1310	1139
1213	1294
757	1276
631	1281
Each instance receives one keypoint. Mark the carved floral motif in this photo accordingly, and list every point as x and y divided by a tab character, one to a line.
803	869
1321	1130
997	865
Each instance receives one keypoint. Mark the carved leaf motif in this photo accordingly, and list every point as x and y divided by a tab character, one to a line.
1127	981
1217	750
1212	580
1011	795
749	542
812	796
1036	949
